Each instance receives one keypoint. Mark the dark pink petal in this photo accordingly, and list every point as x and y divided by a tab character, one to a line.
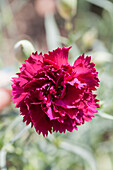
52	114
36	113
62	127
72	113
37	57
20	81
72	96
75	82
17	91
59	56
31	66
83	66
43	126
51	63
20	99
48	108
85	71
79	118
25	113
36	83
38	118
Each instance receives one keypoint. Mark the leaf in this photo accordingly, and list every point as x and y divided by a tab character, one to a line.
107	5
85	154
17	136
105	116
3	160
52	32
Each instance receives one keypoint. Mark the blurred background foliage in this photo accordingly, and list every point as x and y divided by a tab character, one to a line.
87	25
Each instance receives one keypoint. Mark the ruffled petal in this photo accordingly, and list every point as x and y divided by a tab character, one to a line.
25	113
36	113
40	121
58	56
68	124
73	95
85	72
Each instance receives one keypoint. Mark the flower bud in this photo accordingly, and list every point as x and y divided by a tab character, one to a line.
23	49
67	8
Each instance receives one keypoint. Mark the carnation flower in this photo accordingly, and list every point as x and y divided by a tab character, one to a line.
53	95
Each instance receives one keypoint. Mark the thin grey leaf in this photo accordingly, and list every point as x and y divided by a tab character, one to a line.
85	154
52	32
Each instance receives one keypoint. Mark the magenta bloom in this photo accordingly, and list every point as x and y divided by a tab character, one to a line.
53	95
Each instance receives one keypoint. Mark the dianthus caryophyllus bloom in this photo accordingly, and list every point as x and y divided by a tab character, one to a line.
53	95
